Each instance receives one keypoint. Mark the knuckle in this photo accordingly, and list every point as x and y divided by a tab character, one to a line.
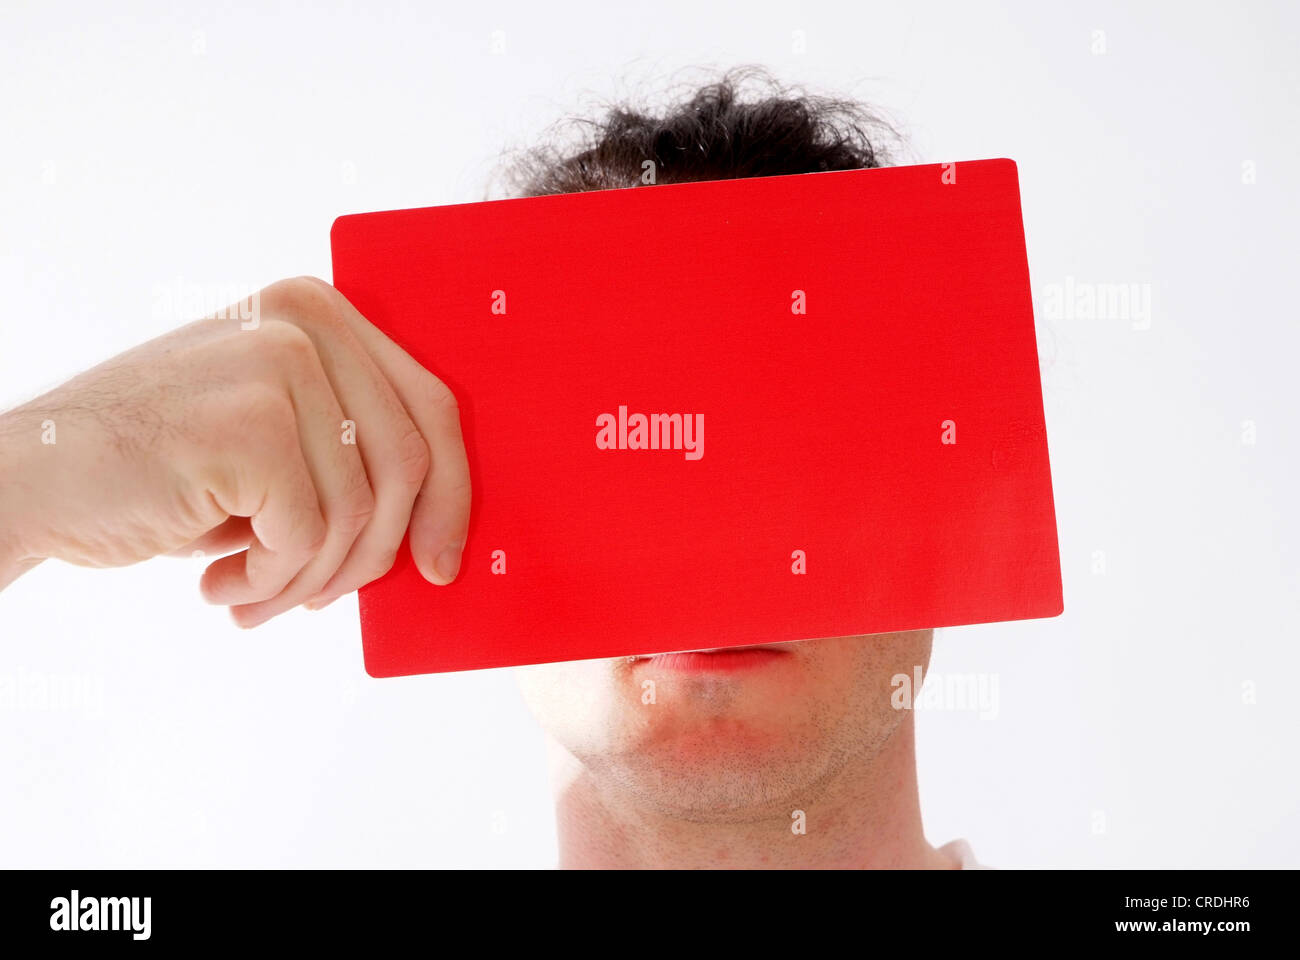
451	497
459	490
459	494
314	533
305	302
258	410
354	508
288	344
305	529
438	396
413	458
299	297
304	536
380	565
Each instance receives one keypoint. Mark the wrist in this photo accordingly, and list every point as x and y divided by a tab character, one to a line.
17	437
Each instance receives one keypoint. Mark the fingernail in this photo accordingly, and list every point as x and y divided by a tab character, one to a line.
318	603
448	563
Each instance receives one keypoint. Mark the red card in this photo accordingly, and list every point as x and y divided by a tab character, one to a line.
708	414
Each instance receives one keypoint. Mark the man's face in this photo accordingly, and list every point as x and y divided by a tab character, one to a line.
728	733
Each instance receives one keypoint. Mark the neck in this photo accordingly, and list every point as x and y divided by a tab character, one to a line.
868	816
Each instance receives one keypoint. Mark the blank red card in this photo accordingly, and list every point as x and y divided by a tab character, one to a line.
843	425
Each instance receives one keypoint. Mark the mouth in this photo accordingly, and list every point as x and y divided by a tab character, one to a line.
719	659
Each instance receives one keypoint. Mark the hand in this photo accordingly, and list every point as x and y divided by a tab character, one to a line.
219	438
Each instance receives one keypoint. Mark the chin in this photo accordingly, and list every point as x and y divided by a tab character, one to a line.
704	764
725	736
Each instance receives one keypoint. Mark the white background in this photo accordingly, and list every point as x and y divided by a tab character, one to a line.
146	149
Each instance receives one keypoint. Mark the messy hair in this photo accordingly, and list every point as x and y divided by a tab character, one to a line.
743	124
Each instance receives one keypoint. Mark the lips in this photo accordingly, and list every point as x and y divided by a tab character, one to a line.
718	659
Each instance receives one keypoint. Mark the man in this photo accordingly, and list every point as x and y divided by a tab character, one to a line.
224	436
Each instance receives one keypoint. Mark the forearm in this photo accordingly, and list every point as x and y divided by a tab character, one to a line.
17	436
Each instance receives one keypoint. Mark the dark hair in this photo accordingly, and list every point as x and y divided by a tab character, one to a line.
744	124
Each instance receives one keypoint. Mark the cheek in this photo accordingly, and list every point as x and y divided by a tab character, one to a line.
574	699
864	668
596	705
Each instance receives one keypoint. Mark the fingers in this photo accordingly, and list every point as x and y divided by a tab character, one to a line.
274	488
397	465
439	521
392	448
235	533
334	465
